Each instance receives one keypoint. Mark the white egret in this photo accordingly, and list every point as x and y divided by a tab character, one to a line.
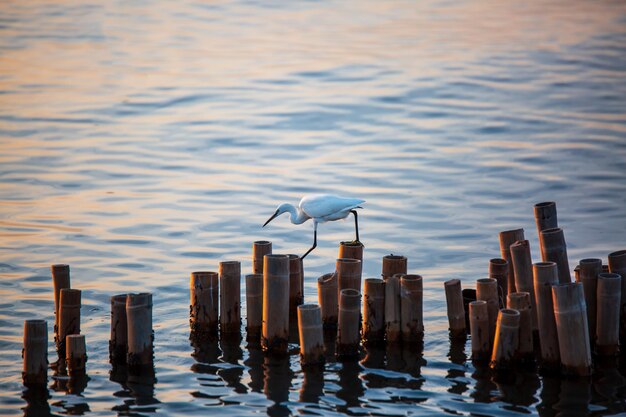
321	208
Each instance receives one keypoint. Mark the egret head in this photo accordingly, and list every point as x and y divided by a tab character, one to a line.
283	208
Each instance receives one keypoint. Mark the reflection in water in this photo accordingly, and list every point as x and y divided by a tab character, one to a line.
609	384
517	388
456	374
255	364
36	397
351	385
312	384
141	388
277	382
232	353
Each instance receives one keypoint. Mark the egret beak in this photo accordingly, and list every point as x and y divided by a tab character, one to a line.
271	218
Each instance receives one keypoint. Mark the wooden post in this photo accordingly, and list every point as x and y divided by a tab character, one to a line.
348	325
520	301
327	298
254	306
545	216
507	238
506	342
392	309
374	311
260	248
617	265
69	317
230	299
35	352
571	324
411	311
204	304
480	330
275	331
456	313
393	264
553	249
60	280
588	270
76	354
348	274
139	317
546	276
311	334
609	294
351	250
499	270
487	290
523	267
296	293
118	344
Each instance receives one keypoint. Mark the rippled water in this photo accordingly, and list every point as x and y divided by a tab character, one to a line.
141	141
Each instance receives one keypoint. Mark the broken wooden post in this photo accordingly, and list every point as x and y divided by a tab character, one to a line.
327	298
275	331
573	332
351	250
60	280
499	270
348	274
456	312
411	308
554	249
260	248
607	332
118	343
480	331
545	216
506	342
204	304
230	299
588	270
393	264
487	290
348	325
254	306
546	275
140	337
69	318
296	292
76	354
311	334
374	311
392	309
35	353
520	301
507	238
523	267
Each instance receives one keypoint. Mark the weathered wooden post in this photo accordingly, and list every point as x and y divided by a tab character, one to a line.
546	276
506	342
609	295
554	249
351	250
479	330
571	324
520	301
275	330
523	267
204	304
588	270
140	337
617	265
348	272
393	330
374	311
499	270
230	299
327	298
69	318
456	312
311	334
296	292
118	343
60	280
411	308
507	238
545	216
76	354
393	264
35	352
348	326
254	306
260	248
487	290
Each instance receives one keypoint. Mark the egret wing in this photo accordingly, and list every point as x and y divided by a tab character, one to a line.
322	205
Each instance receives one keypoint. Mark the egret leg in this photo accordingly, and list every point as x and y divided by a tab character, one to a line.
356	224
314	242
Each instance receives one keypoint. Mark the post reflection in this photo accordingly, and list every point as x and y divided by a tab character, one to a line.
255	364
312	384
232	353
609	384
36	397
456	374
351	386
141	384
517	388
276	384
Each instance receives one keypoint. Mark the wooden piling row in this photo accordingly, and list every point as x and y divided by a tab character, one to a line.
499	270
327	298
523	268
69	318
35	353
456	312
480	330
374	311
230	299
275	331
254	306
609	293
392	265
506	341
351	250
260	248
76	354
118	342
139	322
545	276
545	216
204	304
507	238
588	270
348	325
617	265
393	326
411	308
520	301
311	334
487	291
554	249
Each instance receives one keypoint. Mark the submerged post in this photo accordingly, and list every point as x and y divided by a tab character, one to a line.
374	311
554	249
456	312
254	306
60	280
523	267
260	248
348	274
588	271
392	265
296	293
506	342
118	343
499	270
392	309
507	238
609	295
35	352
571	324
411	308
311	334
204	302
480	330
546	276
348	326
520	301
545	216
275	331
230	299
487	290
139	316
69	318
76	354
327	297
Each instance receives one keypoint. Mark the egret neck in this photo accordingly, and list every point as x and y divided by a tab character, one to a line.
297	216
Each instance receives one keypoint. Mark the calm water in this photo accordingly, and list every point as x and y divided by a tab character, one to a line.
142	141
